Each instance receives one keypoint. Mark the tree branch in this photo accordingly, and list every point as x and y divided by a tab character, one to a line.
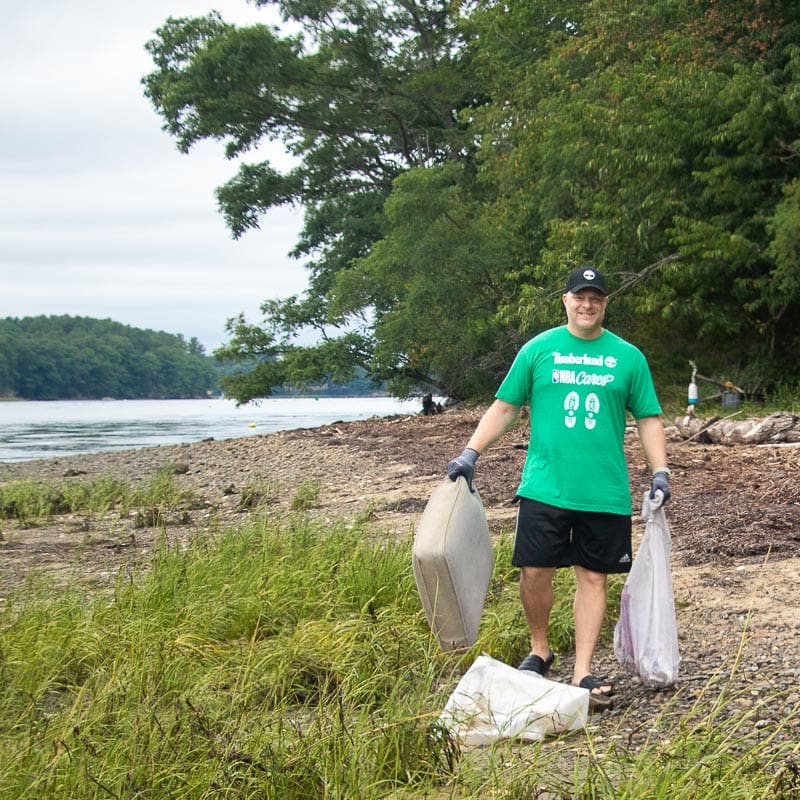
632	279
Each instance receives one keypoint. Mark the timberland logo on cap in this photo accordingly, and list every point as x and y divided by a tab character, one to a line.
585	278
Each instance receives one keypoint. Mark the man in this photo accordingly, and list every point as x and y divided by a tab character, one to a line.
579	380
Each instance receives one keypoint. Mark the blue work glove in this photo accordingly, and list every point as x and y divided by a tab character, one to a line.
660	484
463	465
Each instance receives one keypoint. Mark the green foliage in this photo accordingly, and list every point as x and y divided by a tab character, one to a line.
785	396
435	283
255	495
641	146
267	363
455	160
159	489
63	357
369	90
94	497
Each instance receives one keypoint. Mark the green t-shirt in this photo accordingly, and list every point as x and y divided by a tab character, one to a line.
579	391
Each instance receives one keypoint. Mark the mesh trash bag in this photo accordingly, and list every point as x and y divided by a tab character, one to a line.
646	636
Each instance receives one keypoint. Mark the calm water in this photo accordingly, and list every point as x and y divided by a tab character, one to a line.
51	429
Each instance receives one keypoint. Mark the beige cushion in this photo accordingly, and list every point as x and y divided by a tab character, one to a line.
452	559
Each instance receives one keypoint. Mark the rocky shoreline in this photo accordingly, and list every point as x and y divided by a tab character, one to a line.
735	520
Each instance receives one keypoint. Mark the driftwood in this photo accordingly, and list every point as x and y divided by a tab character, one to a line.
777	428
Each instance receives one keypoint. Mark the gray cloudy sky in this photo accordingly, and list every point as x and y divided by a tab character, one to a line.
100	215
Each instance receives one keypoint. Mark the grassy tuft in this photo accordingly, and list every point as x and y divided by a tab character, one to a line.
256	660
306	495
255	495
29	502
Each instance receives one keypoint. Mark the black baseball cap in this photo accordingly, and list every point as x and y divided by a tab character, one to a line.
586	278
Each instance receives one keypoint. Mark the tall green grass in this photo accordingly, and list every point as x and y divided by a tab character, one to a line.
291	659
785	397
28	502
278	661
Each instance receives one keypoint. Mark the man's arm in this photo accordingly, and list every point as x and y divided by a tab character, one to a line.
497	419
654	443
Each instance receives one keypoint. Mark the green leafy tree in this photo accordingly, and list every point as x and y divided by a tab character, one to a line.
654	140
455	159
434	282
367	91
782	290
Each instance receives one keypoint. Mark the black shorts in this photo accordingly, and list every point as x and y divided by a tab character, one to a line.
547	536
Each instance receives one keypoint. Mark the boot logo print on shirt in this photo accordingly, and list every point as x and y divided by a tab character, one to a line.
572	404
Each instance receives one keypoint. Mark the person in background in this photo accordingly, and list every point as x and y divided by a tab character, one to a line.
579	381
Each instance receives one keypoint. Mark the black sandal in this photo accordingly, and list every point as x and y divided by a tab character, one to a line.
537	664
598	700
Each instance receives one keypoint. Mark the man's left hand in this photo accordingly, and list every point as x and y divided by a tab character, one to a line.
660	484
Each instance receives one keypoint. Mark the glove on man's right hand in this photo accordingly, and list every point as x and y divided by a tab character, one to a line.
463	465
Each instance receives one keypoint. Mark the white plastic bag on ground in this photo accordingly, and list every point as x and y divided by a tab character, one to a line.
646	636
495	701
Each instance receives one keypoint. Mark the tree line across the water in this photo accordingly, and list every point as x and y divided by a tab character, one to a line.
68	358
65	357
454	160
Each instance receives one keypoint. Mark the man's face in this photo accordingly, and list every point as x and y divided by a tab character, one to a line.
586	309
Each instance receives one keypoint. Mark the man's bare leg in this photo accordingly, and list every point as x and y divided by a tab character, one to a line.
536	593
589	608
